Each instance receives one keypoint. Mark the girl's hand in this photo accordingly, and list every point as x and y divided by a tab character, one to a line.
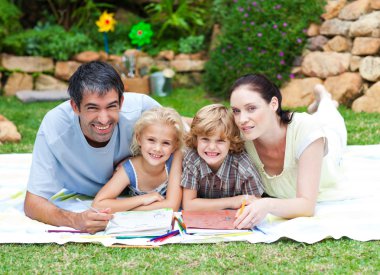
151	197
253	214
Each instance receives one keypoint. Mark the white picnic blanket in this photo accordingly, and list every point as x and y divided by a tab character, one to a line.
352	211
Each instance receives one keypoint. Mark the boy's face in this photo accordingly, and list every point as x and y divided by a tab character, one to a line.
213	149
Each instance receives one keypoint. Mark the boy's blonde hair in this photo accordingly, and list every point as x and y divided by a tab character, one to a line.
212	119
164	115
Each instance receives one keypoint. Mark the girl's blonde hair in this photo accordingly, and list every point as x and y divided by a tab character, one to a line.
164	115
212	119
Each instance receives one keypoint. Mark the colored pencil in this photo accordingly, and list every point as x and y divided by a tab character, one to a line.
64	231
171	233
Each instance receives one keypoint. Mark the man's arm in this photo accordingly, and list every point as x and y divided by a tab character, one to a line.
40	209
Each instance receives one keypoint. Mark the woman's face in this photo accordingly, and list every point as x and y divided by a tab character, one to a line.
252	114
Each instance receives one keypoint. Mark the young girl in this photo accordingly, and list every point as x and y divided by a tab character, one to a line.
153	174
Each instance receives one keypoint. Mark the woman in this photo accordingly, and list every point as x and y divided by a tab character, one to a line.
297	154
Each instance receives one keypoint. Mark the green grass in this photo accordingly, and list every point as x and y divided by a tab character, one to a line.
329	256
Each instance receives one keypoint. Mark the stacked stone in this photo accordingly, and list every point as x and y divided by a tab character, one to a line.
43	74
343	54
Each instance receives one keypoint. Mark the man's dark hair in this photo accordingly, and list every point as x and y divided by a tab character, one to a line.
94	77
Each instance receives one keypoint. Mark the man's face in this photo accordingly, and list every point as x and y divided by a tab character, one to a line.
98	116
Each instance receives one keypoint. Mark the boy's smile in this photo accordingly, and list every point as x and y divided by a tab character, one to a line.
213	149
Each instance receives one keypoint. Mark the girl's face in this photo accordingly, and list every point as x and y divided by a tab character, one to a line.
252	114
213	149
157	142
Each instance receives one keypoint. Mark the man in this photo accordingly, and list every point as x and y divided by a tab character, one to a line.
80	142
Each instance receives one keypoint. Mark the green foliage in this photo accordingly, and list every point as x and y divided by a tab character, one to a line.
75	12
258	36
50	41
173	16
191	44
9	19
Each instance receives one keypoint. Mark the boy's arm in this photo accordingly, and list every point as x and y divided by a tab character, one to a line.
174	191
40	209
191	202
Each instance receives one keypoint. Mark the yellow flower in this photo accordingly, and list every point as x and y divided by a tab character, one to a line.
106	22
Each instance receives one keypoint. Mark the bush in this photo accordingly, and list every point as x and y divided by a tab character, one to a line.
258	36
9	19
51	41
191	44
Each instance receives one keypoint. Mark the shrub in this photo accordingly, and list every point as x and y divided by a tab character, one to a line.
258	36
52	41
9	19
191	44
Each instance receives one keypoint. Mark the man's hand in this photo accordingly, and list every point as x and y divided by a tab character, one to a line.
40	209
91	221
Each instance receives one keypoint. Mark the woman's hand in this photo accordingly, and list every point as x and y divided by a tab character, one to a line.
252	215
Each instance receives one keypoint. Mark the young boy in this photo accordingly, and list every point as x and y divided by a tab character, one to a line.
217	174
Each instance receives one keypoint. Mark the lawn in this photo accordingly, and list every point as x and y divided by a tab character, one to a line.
285	256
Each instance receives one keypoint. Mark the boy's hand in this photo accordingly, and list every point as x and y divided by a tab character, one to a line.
151	198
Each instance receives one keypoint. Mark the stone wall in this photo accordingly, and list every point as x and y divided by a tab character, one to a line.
44	74
343	54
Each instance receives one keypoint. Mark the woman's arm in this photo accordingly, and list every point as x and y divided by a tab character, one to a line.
308	177
174	191
107	196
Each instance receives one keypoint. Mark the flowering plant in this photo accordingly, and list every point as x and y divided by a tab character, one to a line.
140	34
105	24
259	36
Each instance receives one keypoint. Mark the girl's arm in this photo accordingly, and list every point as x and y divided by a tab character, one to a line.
107	196
174	191
309	174
191	202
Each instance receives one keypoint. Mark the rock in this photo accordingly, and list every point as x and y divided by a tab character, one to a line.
313	30
355	63
8	131
338	44
182	56
65	69
47	82
335	27
370	101
370	68
367	25
299	92
345	88
316	43
354	10
17	82
187	65
332	8
144	61
325	64
198	56
375	4
165	55
366	46
87	56
28	64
